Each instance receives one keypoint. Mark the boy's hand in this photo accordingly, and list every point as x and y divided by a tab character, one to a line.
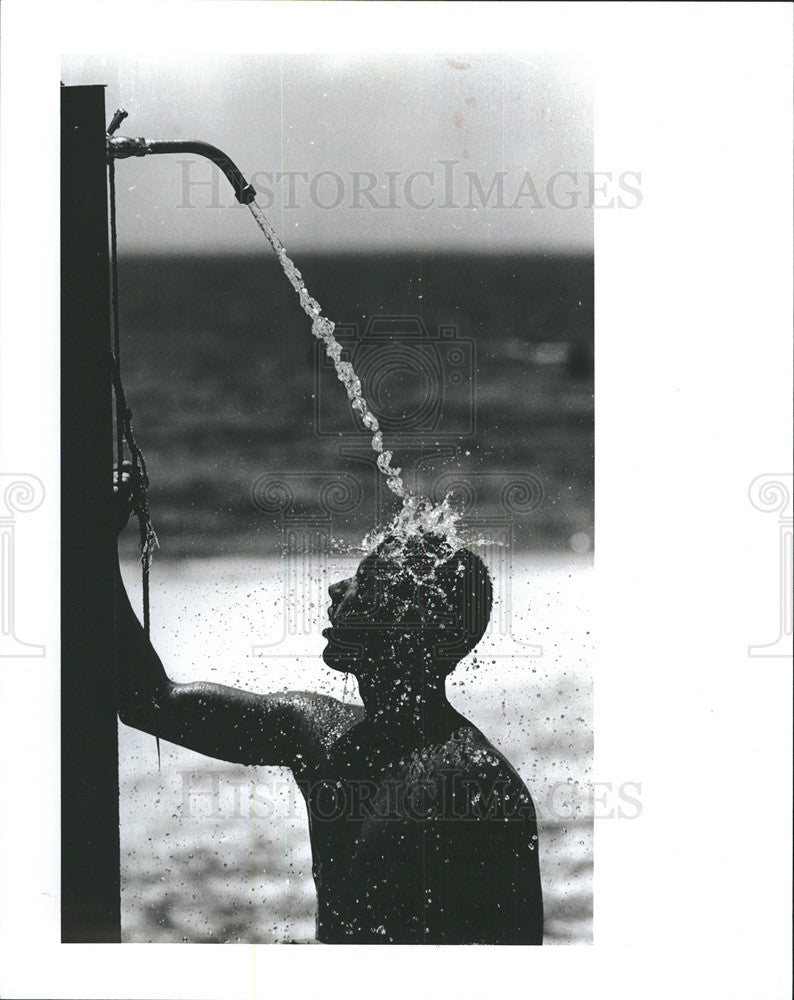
124	483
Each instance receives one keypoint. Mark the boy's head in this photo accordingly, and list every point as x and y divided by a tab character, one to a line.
415	600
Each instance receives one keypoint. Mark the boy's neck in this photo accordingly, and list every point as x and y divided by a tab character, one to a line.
409	707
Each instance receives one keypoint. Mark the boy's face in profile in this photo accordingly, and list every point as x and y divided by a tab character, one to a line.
355	615
376	610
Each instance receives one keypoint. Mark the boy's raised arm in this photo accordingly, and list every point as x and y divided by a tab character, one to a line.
292	729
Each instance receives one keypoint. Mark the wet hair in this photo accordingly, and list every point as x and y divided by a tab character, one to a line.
431	594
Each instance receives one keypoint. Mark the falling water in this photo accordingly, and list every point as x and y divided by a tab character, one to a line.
418	517
323	329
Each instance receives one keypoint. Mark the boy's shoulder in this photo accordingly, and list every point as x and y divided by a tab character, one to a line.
322	718
468	754
465	777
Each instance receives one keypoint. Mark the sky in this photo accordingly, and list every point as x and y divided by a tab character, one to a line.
442	152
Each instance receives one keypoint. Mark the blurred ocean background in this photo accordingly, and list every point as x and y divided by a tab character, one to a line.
483	383
226	386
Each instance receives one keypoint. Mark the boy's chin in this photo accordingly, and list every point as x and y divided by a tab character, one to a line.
344	664
338	657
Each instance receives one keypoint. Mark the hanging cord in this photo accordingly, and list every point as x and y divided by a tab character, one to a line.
140	485
139	478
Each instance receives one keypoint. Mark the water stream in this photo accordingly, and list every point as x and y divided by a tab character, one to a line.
323	329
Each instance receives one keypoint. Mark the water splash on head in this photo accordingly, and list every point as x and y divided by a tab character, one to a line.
416	519
423	536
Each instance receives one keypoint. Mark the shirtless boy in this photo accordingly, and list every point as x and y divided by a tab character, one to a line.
421	831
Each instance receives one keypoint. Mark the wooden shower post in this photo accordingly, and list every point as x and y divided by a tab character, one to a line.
90	905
